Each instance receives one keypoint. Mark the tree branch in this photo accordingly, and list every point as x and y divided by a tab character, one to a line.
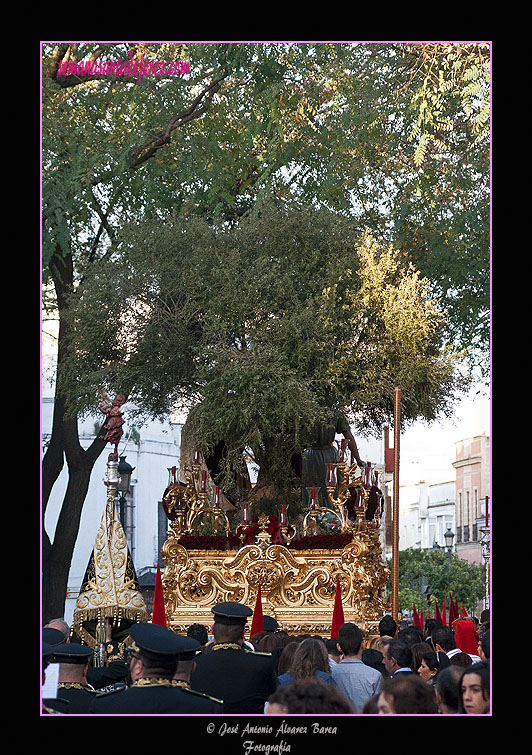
149	148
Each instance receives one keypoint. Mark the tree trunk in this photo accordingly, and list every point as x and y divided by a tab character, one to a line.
64	443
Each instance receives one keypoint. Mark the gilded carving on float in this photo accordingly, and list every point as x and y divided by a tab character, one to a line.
297	585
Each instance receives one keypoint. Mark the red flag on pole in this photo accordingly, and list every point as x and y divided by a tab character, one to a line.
338	612
257	624
452	611
159	613
437	612
444	612
421	620
415	617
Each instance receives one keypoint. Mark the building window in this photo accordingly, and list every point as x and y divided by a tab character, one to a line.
476	503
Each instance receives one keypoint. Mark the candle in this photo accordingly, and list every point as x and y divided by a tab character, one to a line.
331	478
487	511
217	495
203	480
246	515
283	514
313	496
342	449
173	475
367	472
197	457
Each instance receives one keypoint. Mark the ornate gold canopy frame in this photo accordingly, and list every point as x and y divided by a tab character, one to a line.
297	586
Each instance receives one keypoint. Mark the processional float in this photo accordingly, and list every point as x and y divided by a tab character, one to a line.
297	572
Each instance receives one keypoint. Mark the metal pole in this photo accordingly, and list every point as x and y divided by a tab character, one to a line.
395	511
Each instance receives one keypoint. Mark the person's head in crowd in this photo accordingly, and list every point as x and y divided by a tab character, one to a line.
198	632
443	638
350	639
230	620
309	657
371	706
387	626
430	624
62	626
406	694
397	655
305	696
374	658
333	651
418	651
431	664
484	647
474	689
269	642
286	658
378	643
411	635
446	689
461	659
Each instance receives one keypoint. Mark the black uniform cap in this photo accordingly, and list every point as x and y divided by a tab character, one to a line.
231	613
72	652
270	624
52	636
156	642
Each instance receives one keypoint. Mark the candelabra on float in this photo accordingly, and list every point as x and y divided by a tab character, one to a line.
188	500
342	478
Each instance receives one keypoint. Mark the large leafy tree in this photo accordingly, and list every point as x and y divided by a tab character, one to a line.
262	327
328	124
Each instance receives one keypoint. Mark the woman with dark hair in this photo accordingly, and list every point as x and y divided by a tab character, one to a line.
419	649
474	689
310	660
285	659
429	666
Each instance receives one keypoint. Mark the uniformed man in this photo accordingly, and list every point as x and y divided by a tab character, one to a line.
243	678
73	659
153	661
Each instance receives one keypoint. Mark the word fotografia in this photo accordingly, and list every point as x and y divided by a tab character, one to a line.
121	67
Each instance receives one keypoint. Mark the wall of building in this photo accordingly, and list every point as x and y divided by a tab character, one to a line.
472	467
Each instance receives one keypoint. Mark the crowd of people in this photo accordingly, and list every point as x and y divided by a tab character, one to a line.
405	670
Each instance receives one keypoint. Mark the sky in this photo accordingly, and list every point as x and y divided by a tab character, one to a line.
426	452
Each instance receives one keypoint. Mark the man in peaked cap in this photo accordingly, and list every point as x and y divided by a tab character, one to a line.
270	624
154	656
242	678
73	659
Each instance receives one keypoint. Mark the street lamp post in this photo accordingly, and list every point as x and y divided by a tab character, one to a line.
449	537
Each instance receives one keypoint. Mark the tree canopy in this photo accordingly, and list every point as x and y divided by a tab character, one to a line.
263	327
394	136
421	571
